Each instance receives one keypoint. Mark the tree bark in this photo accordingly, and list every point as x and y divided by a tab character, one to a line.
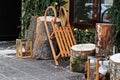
77	60
104	38
41	47
30	33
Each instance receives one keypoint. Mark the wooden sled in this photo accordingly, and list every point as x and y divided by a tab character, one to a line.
62	33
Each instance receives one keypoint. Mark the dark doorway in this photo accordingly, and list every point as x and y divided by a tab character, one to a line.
10	12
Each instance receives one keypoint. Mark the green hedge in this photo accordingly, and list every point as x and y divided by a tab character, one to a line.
84	36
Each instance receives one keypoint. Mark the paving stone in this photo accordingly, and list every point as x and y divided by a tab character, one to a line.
3	77
13	68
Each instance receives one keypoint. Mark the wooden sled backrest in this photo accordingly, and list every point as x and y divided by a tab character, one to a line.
63	32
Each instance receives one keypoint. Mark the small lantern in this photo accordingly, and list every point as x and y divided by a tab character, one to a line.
97	68
92	69
24	48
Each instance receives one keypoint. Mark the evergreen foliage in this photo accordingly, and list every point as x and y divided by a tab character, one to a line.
114	14
35	7
84	36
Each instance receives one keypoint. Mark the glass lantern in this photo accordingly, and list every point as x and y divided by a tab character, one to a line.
24	48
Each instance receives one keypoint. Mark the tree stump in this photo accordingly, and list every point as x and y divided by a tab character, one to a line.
104	39
41	47
79	55
77	61
30	33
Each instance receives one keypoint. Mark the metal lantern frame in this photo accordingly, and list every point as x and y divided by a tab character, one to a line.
24	48
96	66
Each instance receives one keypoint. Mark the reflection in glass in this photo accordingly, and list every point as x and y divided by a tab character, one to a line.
82	11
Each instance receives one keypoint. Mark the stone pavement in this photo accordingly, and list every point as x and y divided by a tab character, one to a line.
13	68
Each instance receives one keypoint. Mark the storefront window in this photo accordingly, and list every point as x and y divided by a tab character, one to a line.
88	12
82	11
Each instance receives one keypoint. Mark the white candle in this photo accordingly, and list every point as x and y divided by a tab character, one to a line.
113	49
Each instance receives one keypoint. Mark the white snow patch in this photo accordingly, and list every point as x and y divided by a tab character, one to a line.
115	58
83	47
8	53
48	18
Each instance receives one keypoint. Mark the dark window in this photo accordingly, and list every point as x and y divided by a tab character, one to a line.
84	13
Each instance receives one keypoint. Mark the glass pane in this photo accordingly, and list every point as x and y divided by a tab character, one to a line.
106	4
82	11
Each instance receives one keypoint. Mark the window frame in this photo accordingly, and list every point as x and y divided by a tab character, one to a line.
96	10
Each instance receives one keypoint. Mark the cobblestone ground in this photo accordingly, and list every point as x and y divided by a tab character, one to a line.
13	68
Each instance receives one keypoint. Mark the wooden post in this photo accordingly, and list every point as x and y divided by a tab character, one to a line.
31	49
96	10
21	49
88	69
17	48
97	70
